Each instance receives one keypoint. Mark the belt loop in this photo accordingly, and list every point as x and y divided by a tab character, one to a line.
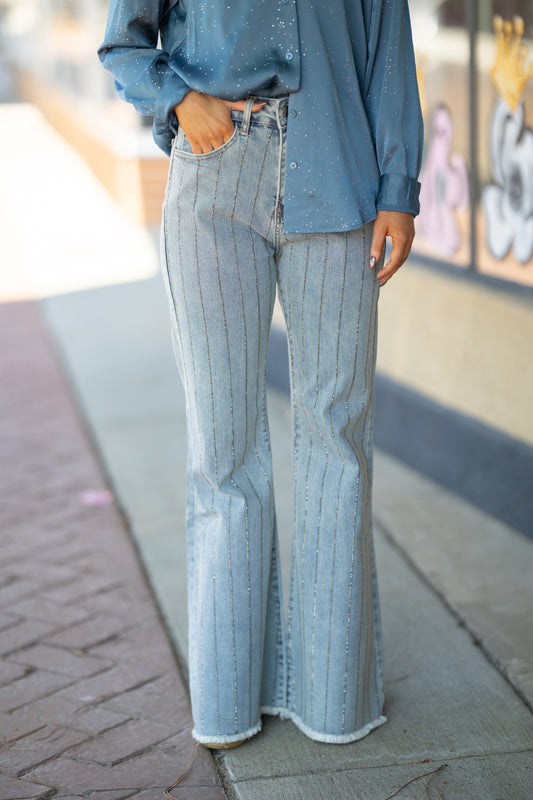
247	115
282	111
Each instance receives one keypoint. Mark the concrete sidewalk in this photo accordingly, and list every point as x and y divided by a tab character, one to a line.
455	584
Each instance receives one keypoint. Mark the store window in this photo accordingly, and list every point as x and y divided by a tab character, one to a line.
505	141
477	191
443	56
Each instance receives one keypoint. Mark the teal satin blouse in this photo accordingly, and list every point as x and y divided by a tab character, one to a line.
354	130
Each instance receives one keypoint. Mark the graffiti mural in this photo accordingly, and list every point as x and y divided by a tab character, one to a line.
444	189
508	200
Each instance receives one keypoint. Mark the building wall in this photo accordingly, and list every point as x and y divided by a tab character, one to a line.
460	343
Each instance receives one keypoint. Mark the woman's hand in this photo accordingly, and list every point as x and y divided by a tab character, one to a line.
206	120
400	226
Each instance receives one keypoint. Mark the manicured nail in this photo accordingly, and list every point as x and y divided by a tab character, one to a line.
372	262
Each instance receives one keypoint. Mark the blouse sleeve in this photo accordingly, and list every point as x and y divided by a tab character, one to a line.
142	71
393	105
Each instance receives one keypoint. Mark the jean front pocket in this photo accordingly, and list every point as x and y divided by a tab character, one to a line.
183	149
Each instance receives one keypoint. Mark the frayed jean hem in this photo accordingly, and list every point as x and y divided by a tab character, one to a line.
223	739
284	713
328	738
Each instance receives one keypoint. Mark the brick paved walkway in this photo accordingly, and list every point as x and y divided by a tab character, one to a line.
91	702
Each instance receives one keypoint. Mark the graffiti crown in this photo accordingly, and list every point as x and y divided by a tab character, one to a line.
512	69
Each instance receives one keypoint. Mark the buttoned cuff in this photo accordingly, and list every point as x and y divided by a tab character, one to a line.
169	96
398	193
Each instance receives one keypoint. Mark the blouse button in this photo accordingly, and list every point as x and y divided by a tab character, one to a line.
289	56
293	165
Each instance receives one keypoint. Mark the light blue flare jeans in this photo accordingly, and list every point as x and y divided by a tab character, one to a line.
224	250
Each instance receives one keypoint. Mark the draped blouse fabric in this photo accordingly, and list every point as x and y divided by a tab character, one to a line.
354	128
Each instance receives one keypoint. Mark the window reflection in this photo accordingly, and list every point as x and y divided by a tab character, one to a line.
505	211
443	57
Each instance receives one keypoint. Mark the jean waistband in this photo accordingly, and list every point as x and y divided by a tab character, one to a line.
273	113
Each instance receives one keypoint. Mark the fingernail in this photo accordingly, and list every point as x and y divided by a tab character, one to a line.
372	261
